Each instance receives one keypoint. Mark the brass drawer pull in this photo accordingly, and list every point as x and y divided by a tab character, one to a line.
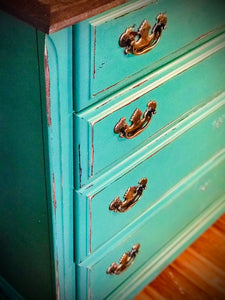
138	122
125	262
140	41
131	197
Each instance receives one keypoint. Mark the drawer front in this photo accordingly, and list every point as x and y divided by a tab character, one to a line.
163	224
101	63
163	169
96	136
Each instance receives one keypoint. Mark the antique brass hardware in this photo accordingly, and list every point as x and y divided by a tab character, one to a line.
138	123
140	41
131	197
125	261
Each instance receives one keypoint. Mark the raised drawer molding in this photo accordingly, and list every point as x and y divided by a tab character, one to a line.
112	142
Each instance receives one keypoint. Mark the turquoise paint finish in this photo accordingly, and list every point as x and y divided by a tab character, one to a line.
93	206
25	229
101	64
174	98
172	214
37	257
42	147
60	139
150	270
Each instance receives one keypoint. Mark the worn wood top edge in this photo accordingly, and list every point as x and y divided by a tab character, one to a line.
50	16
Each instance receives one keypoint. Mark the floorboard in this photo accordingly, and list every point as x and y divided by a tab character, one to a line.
198	273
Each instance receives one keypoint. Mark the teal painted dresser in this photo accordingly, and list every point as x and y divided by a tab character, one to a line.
112	142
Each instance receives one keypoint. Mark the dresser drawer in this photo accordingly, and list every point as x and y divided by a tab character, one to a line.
100	62
159	229
96	136
163	169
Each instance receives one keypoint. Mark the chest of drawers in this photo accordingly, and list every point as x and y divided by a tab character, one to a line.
113	142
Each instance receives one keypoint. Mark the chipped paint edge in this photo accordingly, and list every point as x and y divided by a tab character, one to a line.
92	116
58	47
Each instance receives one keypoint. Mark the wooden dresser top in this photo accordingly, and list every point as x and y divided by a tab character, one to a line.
52	15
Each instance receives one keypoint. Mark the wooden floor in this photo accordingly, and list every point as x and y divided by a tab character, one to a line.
198	273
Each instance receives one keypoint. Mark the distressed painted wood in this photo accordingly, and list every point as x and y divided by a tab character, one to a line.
62	169
166	255
37	258
25	230
93	204
58	74
105	69
99	123
159	228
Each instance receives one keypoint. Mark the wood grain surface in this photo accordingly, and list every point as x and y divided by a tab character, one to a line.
52	15
198	273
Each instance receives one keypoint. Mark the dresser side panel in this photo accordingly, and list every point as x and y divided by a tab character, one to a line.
25	251
59	102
